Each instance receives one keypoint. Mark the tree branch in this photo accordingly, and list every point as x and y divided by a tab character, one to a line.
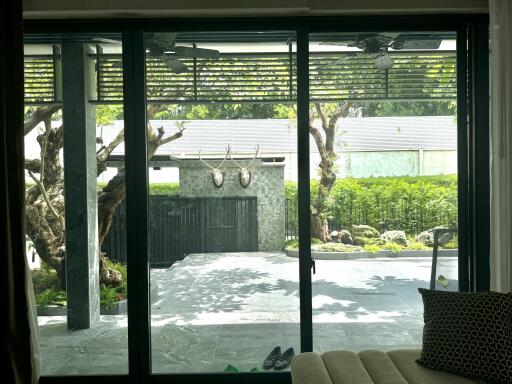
45	196
341	111
173	137
321	115
39	115
48	127
319	140
33	165
106	151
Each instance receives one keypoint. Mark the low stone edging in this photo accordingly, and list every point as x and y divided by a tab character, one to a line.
369	255
119	308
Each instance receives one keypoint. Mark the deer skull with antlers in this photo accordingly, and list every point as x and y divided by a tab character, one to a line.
245	173
217	174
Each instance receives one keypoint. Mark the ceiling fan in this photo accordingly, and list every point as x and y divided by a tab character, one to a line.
377	45
163	46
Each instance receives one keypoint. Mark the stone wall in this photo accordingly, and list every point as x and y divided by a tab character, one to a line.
267	185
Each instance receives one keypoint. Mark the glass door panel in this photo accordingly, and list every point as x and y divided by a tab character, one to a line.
222	200
74	202
383	161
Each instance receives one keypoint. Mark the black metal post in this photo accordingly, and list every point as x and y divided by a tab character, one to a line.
463	161
479	123
139	336
305	261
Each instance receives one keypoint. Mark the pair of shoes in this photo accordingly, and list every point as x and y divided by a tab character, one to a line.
278	360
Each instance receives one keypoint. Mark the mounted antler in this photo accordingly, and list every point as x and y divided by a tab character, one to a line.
217	174
246	172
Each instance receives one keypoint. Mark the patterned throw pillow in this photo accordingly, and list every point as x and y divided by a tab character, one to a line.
468	334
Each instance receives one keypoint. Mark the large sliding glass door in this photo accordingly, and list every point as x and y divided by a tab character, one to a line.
74	201
384	162
222	157
282	190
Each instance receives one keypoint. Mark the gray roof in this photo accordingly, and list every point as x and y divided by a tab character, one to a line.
276	136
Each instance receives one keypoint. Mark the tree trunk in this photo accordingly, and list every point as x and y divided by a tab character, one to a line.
319	227
325	145
319	211
114	193
45	200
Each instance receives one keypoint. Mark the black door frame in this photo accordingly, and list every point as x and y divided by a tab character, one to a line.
473	159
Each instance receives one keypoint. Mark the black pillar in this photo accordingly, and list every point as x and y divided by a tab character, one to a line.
81	209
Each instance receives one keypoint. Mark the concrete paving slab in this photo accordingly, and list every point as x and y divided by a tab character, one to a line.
218	309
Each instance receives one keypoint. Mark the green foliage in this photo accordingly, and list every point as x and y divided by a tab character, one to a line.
369	241
372	245
44	278
51	296
452	244
393	247
372	248
335	247
291	244
47	286
106	114
169	189
416	246
285	111
164	189
48	292
411	204
294	243
409	108
226	111
110	295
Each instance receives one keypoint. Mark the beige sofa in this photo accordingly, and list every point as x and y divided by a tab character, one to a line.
367	367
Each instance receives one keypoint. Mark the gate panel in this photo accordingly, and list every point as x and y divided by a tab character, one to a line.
179	226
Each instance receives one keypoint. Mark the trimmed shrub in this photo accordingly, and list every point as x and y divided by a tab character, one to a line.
412	204
164	189
171	189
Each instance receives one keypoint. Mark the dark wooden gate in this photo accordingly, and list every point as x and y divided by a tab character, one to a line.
182	225
230	225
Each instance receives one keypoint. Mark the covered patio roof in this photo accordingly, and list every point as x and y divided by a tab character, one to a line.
257	67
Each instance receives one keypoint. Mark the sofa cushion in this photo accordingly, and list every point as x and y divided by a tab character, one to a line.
381	368
405	361
345	367
469	334
367	367
309	368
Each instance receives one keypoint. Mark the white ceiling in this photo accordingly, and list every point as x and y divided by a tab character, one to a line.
166	8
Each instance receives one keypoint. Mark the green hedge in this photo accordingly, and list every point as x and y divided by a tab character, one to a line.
412	204
156	188
164	188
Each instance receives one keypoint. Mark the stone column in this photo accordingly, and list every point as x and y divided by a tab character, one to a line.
81	207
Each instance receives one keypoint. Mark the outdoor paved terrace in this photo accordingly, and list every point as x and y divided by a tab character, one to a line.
218	309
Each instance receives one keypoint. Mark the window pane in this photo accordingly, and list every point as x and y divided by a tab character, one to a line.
383	182
222	146
74	162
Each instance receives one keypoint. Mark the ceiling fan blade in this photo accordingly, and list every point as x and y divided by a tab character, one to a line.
421	44
390	35
105	40
175	66
335	43
197	52
164	38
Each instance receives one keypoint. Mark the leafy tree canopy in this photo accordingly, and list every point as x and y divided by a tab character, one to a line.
220	111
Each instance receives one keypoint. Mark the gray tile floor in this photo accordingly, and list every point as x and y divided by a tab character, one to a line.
218	309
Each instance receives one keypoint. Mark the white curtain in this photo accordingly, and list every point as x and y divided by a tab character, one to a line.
501	145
